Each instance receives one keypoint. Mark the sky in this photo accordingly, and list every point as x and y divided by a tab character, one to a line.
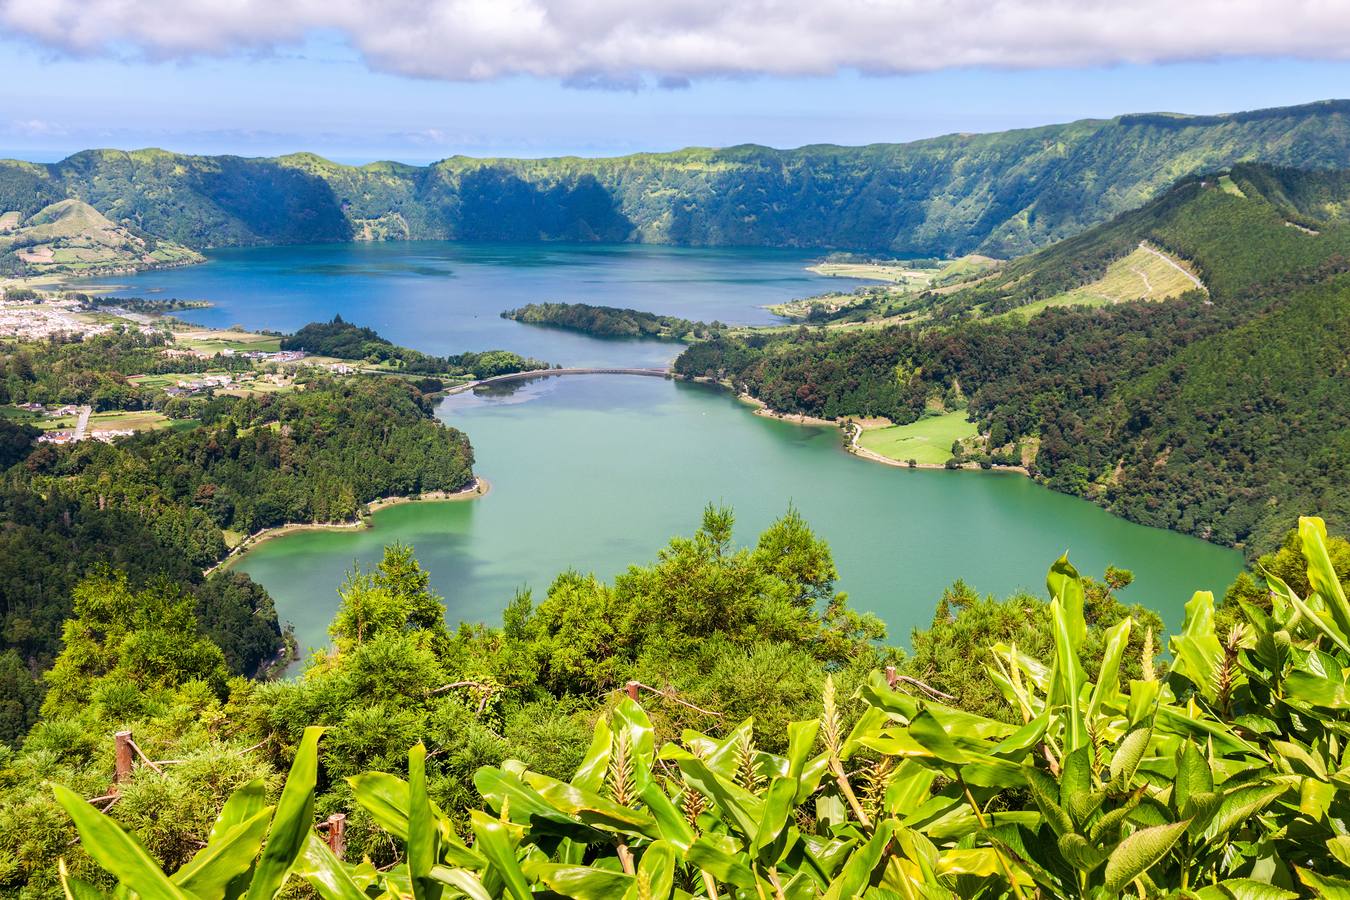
420	80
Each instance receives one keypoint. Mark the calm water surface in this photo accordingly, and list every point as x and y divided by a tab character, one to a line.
446	297
597	472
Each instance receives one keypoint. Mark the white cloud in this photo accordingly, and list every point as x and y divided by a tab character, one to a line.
620	43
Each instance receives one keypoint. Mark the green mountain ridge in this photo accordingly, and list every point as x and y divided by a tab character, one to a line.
1002	194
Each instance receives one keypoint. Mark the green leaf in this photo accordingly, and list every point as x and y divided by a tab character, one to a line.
908	787
243	804
1315	798
1340	848
115	850
741	809
1250	889
981	862
929	733
592	809
227	856
725	755
670	822
1107	688
1200	809
591	773
778	806
1045	791
1240	805
1139	852
1315	690
630	717
325	872
857	872
292	821
462	880
423	839
1193	776
720	862
505	790
801	739
1076	795
74	888
1327	886
1065	585
1068	674
1079	853
1116	817
497	843
1023	739
385	797
1197	651
1129	754
1312	533
582	882
657	871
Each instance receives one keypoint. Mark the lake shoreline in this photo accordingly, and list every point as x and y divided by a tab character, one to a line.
479	487
853	431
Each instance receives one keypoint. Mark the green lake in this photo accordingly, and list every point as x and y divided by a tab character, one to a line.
597	472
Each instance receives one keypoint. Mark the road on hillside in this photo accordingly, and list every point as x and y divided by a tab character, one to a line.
83	424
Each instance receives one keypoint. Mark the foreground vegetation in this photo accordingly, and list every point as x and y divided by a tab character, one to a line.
1101	774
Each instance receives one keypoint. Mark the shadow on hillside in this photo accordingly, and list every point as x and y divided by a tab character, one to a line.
277	204
495	204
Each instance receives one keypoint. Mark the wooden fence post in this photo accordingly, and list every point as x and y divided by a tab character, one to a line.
122	756
891	677
337	834
632	688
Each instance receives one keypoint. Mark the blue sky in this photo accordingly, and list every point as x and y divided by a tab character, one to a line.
322	94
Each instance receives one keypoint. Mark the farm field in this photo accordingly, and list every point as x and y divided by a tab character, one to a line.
210	340
133	420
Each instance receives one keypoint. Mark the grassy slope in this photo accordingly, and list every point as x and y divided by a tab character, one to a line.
927	441
1236	242
1001	194
71	235
1142	275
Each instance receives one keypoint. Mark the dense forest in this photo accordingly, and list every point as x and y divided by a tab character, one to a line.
347	341
161	506
1199	414
1001	194
610	321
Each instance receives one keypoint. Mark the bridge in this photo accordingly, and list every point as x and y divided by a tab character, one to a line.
545	373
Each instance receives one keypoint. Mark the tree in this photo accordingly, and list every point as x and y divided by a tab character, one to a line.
126	649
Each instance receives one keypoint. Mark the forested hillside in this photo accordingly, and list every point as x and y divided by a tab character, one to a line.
162	506
1001	194
1219	413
